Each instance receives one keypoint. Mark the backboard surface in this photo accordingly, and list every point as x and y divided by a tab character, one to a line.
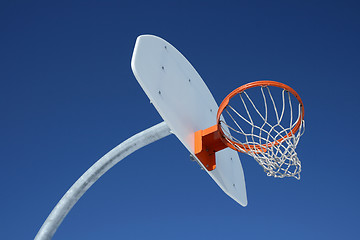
185	103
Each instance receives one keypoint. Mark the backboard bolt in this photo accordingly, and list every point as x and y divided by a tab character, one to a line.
162	67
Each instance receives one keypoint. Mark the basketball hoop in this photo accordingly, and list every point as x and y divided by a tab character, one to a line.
264	126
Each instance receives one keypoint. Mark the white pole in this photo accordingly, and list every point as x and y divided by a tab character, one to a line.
70	198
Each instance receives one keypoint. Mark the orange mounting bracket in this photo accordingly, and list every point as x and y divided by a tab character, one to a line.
207	143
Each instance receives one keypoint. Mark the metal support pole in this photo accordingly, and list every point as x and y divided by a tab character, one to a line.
70	198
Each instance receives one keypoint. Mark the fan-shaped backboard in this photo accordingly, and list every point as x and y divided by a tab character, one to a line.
185	103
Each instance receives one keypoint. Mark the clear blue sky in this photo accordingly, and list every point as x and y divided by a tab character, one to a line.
68	96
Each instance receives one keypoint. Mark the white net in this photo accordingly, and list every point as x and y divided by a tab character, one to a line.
266	125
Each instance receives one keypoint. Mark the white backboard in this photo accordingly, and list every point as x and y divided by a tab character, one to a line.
185	103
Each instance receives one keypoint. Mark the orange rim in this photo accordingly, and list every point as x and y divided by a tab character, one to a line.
246	147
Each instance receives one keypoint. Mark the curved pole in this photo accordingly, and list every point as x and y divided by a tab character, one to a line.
70	198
